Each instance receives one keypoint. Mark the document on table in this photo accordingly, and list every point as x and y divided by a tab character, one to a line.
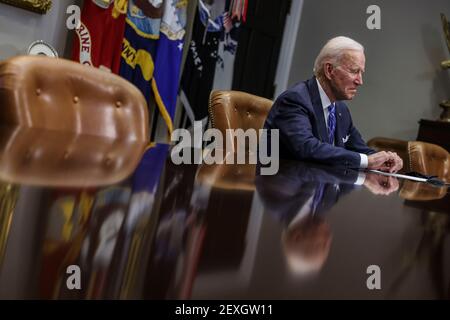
397	175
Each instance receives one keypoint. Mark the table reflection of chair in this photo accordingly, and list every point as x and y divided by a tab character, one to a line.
232	185
8	199
227	176
434	203
430	250
216	230
32	156
233	222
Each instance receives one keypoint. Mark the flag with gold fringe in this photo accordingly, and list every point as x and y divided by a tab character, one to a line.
152	50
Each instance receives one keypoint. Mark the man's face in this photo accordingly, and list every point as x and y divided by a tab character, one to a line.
347	75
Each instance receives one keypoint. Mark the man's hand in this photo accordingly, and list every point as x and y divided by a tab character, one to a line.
396	163
379	184
379	160
385	161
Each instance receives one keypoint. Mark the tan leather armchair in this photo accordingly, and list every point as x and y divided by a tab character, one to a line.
233	110
57	94
237	110
65	124
422	157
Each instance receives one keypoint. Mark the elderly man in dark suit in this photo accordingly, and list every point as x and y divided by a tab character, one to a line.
313	121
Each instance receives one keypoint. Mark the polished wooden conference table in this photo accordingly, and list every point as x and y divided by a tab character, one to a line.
166	231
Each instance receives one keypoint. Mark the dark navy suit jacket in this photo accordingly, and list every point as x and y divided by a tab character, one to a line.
298	114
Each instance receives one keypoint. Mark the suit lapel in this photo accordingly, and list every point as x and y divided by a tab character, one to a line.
318	109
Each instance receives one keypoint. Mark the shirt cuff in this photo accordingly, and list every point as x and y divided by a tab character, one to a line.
361	178
364	161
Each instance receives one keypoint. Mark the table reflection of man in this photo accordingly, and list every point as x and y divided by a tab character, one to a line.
300	195
379	184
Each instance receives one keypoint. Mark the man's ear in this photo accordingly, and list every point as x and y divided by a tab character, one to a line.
328	69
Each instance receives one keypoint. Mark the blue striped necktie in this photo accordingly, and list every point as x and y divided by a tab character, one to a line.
331	123
318	197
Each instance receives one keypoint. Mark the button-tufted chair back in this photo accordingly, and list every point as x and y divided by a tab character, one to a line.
237	110
57	94
422	157
429	158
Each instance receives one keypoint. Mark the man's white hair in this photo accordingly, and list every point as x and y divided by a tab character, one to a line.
333	51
